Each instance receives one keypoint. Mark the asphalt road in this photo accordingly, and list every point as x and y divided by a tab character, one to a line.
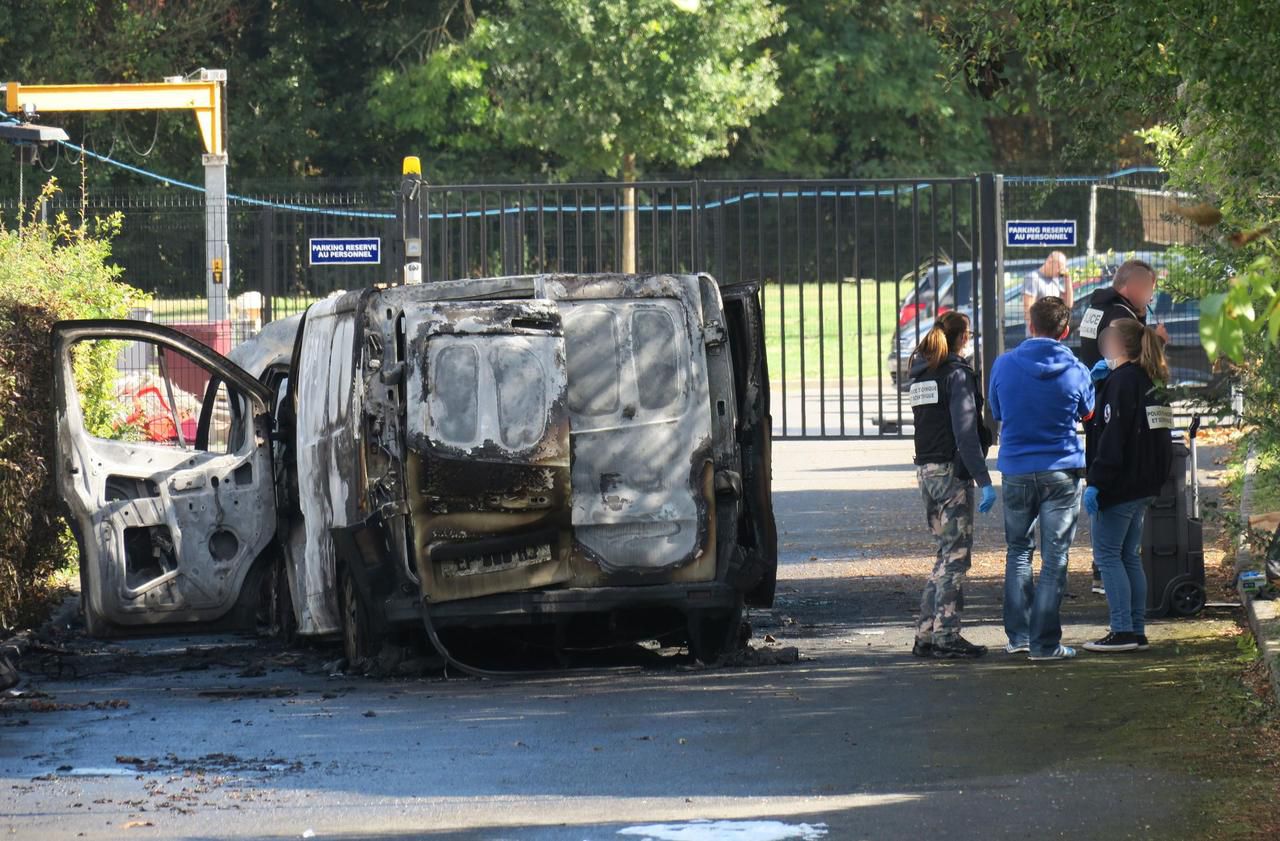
200	738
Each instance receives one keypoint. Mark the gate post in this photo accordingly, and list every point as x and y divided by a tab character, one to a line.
267	262
991	297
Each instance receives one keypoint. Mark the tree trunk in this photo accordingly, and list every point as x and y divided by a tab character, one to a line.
629	214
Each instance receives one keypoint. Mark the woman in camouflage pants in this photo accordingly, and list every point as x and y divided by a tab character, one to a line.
951	441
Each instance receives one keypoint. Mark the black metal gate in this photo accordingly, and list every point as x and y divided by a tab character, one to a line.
852	272
838	264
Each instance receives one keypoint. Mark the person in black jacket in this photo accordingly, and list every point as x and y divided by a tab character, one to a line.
951	443
1128	295
1131	291
1128	451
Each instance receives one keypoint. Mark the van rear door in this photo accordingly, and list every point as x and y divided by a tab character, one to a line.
640	426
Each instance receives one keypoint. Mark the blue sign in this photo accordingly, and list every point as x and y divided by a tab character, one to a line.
346	251
1040	233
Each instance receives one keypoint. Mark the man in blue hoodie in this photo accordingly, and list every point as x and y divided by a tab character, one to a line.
1039	390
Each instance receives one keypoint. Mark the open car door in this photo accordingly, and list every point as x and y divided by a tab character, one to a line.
165	473
758	530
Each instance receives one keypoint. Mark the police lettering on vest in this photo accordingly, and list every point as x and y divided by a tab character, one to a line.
924	393
1159	417
1089	323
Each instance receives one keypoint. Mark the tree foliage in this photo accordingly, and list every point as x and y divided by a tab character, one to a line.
1200	73
592	82
864	94
345	88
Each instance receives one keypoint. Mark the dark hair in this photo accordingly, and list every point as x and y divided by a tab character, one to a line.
943	339
1143	345
1129	269
1050	317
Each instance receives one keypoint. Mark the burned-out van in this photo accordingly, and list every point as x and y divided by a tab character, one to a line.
464	453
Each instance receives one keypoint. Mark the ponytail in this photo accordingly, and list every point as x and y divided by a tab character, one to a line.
944	338
1151	357
1143	346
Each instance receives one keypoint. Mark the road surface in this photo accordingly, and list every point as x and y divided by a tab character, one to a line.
202	738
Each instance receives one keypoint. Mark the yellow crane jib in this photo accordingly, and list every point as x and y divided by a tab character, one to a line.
202	93
203	96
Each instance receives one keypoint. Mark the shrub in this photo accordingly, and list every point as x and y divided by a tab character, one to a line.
48	272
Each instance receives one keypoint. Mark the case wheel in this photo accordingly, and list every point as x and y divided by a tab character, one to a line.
1186	598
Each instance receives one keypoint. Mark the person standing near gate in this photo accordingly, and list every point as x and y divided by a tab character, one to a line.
1039	390
951	443
1129	452
1128	296
1049	281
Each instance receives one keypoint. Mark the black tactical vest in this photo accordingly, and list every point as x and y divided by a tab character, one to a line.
931	406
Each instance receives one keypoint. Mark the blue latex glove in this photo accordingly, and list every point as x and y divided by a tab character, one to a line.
1100	371
988	498
1091	501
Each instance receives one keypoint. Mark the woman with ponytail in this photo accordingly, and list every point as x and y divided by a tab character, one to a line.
951	443
1128	455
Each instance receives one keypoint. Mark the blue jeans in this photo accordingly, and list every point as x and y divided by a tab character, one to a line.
1117	538
1051	497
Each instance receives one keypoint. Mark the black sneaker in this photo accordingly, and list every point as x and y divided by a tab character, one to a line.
1143	644
1115	641
922	648
958	649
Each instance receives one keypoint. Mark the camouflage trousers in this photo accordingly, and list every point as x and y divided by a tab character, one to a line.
948	505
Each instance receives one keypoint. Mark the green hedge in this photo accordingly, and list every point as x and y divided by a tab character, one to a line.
48	272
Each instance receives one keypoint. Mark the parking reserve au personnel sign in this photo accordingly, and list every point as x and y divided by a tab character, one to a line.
1040	233
346	251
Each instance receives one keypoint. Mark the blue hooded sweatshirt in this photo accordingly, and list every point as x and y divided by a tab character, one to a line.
1039	390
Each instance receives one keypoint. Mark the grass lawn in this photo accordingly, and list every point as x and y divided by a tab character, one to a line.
865	314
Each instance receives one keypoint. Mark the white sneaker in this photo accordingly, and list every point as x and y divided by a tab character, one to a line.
1010	648
1098	588
1063	652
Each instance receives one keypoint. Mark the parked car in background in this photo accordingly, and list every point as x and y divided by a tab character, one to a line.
954	291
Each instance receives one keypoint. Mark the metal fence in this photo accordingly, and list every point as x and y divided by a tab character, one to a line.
852	271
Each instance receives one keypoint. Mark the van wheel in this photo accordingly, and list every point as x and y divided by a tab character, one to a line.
714	632
357	634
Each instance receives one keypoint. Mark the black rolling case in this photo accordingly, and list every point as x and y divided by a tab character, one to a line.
1173	538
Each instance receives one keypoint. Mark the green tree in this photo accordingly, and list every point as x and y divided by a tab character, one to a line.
615	85
864	95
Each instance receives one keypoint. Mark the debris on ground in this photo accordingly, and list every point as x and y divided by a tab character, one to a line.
771	656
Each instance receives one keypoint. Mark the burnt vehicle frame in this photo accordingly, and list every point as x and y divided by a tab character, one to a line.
385	496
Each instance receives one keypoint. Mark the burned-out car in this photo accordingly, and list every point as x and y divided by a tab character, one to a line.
464	453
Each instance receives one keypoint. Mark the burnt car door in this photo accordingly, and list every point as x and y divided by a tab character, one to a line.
487	431
758	531
642	460
165	473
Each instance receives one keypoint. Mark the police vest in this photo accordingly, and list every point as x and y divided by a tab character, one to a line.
1099	318
935	440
